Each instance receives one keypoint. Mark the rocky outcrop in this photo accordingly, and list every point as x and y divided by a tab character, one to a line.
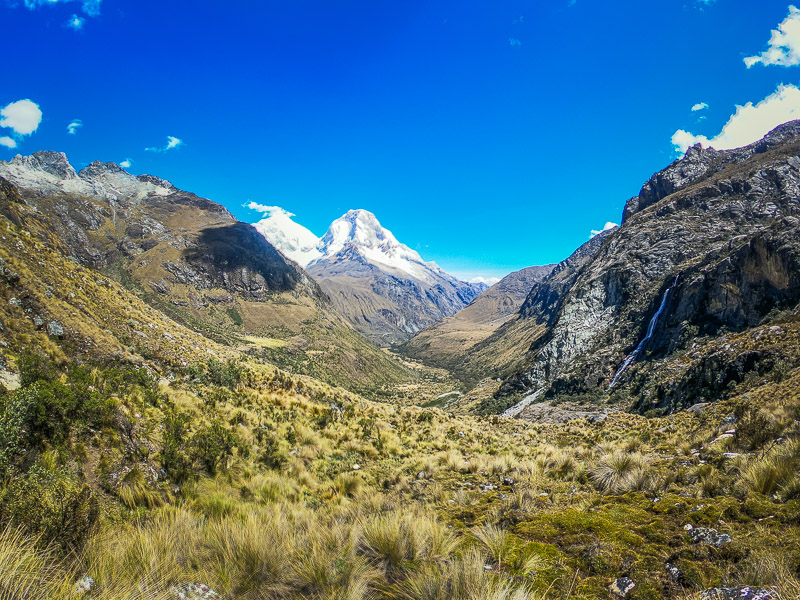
104	215
701	163
727	224
707	535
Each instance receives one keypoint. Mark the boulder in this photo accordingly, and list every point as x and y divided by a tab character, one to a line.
621	587
707	535
742	593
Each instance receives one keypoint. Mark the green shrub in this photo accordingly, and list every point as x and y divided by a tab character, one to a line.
213	445
47	503
228	374
175	447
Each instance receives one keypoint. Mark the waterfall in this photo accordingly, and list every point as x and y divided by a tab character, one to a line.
650	330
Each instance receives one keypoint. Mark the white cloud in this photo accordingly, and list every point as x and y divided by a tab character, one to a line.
172	142
606	227
90	7
126	164
490	281
699	106
73	126
8	142
75	22
784	45
23	116
514	42
749	123
269	210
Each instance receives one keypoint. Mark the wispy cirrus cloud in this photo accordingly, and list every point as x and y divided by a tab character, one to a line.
73	126
75	22
783	48
172	143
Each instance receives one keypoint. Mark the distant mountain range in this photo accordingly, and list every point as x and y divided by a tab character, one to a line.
694	294
383	287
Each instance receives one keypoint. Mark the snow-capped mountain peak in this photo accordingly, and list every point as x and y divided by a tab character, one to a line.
361	230
381	286
292	239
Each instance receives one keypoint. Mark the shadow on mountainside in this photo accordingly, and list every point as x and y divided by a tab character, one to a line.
238	252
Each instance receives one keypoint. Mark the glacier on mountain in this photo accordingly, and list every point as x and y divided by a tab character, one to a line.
292	239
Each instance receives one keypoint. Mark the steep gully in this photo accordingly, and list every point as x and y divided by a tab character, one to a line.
626	364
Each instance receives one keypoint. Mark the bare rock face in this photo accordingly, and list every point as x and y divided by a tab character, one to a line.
701	163
723	230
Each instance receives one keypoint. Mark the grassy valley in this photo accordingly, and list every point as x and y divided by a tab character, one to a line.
142	459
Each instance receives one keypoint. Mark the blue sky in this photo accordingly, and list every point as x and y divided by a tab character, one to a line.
488	135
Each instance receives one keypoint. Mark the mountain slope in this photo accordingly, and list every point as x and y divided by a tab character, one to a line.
381	286
192	260
504	352
446	343
711	246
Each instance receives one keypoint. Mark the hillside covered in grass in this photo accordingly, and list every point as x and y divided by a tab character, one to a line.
142	459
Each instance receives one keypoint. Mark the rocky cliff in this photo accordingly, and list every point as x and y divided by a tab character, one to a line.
724	225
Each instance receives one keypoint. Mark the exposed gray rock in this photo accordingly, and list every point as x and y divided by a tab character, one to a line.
622	587
55	329
742	593
674	572
707	535
84	585
193	591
